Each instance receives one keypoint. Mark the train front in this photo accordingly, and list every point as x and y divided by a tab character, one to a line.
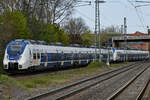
13	56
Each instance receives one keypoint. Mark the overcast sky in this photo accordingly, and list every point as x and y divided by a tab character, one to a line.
113	12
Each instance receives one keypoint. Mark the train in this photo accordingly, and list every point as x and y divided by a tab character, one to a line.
30	55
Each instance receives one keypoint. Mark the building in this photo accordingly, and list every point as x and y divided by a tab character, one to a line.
139	45
138	34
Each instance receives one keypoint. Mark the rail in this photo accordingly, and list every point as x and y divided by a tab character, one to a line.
55	91
121	89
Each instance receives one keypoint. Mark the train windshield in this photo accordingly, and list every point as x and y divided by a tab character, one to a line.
15	49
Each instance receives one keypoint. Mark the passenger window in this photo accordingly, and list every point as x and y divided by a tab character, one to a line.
34	55
42	55
53	56
30	52
38	56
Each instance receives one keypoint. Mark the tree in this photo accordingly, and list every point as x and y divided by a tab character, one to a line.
13	25
111	29
109	32
105	37
51	11
88	39
76	26
53	33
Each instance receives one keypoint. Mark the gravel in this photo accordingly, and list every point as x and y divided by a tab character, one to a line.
105	89
134	89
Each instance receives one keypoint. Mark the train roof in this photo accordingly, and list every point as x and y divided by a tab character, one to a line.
38	42
75	47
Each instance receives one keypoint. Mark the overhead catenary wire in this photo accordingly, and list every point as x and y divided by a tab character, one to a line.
137	13
87	17
142	5
106	19
141	19
142	1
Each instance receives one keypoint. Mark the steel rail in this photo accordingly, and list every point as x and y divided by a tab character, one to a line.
82	81
141	94
87	86
115	94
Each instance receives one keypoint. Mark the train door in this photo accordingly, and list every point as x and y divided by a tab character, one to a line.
36	58
46	59
80	57
58	58
62	58
87	57
31	57
114	54
71	58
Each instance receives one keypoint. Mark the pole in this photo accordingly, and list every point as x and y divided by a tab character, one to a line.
125	38
99	33
121	29
97	28
96	18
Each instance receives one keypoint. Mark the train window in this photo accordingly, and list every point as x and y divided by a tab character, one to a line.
42	55
34	55
53	56
70	56
75	56
38	56
65	56
30	52
59	56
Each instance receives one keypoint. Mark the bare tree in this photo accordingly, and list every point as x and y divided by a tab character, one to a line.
111	29
52	11
76	26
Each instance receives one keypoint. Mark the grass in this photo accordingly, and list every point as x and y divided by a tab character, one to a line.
55	79
119	64
4	79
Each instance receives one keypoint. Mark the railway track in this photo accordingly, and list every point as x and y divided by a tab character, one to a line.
71	89
134	89
143	94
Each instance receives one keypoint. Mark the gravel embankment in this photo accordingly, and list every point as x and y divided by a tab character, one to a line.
105	89
134	89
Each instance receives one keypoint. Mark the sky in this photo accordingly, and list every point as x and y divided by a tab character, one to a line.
113	12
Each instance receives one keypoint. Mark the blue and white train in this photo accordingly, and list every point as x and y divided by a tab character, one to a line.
27	55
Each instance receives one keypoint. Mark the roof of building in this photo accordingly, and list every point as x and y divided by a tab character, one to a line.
137	33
